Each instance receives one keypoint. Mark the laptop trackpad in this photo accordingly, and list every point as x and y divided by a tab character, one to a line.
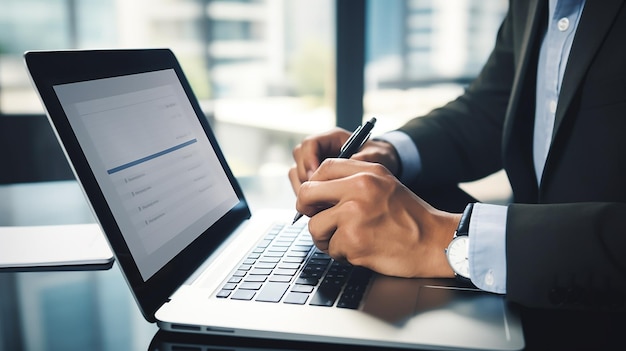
397	300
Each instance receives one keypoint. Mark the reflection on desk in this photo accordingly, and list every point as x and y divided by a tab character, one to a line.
73	310
167	341
89	310
82	310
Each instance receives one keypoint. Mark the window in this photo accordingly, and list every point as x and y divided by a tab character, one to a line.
262	69
421	53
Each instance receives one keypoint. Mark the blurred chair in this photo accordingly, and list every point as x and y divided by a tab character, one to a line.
29	151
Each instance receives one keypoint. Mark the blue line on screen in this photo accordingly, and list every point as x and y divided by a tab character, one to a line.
150	157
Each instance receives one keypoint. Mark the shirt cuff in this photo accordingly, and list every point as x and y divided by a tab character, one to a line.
487	247
410	161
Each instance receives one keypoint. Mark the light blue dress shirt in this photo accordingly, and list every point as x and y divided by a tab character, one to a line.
488	223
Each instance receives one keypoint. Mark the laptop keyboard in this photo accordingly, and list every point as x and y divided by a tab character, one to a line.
287	268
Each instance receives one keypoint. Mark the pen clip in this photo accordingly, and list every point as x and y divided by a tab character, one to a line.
349	141
364	140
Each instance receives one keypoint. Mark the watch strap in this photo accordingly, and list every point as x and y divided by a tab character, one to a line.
463	228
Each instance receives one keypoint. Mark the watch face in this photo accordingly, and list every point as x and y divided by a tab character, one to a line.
457	253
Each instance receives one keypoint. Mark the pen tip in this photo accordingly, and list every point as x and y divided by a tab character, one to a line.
296	218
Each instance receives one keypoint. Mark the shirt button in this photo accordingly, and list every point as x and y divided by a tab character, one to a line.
489	278
552	106
563	24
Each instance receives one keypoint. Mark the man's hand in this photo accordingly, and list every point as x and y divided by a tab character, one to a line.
313	150
361	213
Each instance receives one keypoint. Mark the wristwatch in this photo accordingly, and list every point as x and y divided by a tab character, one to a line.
458	249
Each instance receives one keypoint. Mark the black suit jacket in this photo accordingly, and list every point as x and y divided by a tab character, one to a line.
565	238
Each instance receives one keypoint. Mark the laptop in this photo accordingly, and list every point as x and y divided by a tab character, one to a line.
195	258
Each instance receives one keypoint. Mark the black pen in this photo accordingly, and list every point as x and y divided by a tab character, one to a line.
351	146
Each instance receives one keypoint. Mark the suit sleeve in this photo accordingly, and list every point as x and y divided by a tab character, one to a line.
567	255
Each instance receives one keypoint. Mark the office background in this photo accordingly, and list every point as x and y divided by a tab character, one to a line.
267	73
270	69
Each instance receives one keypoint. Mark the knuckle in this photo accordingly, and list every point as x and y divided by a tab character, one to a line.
356	257
365	182
296	150
328	162
353	208
293	173
378	169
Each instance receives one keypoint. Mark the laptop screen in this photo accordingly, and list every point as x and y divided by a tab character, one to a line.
154	163
146	158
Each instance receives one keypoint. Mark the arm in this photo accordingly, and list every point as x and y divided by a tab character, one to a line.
567	255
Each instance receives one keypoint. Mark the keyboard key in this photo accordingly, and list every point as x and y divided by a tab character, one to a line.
289	265
312	271
243	295
320	254
297	253
250	286
229	286
318	261
280	278
256	278
293	259
272	292
274	254
350	300
326	293
312	274
302	288
296	298
264	243
260	271
281	271
301	248
266	265
325	297
282	244
307	281
223	293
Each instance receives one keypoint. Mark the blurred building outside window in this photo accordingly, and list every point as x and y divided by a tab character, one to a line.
264	69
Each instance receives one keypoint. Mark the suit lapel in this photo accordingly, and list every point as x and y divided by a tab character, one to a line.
518	126
533	24
525	57
594	24
521	71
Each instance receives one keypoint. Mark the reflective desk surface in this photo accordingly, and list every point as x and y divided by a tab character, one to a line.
82	310
94	310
